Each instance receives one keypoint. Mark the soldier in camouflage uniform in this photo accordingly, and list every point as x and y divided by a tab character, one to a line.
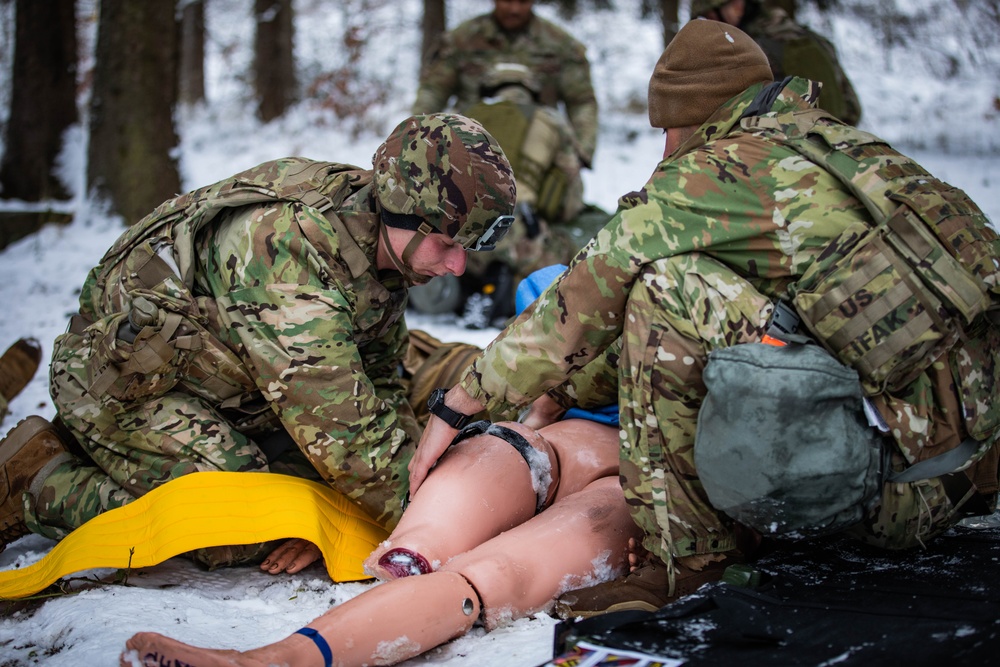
255	325
512	33
694	262
791	48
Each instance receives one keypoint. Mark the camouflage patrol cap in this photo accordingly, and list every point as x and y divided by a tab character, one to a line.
702	7
705	65
444	170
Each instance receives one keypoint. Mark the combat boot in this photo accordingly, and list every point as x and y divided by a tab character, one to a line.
17	366
30	451
647	588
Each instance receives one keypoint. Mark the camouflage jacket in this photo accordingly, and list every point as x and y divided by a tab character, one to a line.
469	51
794	50
753	205
306	322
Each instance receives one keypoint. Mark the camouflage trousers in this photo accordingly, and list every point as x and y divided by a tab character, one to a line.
129	449
679	310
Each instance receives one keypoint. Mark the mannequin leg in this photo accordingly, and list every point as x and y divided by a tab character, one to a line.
387	624
480	488
586	451
579	541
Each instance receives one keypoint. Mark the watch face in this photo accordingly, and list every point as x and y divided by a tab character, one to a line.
436	399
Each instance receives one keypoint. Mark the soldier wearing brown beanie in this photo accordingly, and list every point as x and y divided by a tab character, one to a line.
735	219
705	65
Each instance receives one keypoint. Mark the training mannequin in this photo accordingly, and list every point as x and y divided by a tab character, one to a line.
489	530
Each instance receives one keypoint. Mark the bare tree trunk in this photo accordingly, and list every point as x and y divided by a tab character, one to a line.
668	14
274	63
434	23
132	130
43	99
192	74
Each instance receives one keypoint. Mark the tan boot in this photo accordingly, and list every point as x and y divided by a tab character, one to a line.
17	366
29	452
646	588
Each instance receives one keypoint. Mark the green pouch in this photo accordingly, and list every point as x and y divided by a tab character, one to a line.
865	305
782	443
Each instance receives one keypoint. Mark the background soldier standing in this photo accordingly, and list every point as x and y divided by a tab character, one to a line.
459	74
512	33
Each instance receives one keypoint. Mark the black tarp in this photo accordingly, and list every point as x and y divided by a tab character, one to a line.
830	602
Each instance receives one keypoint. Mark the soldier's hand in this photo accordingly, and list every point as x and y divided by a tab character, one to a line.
543	411
433	443
291	557
438	436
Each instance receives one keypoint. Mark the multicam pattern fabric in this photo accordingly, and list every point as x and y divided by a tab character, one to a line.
738	218
468	53
267	317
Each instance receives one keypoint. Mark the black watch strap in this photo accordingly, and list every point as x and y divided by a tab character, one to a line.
436	406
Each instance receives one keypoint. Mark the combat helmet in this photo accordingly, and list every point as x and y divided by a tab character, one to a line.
501	75
444	173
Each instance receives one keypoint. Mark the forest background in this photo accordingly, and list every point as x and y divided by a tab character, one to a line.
126	84
133	127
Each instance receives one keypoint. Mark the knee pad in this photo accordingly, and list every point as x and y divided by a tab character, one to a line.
543	464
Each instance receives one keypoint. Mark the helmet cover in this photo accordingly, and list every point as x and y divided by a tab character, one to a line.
445	170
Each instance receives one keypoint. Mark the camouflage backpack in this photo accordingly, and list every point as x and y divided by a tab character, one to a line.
890	298
917	284
137	306
523	134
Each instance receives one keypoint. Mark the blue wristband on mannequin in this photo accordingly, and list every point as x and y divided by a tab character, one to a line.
321	644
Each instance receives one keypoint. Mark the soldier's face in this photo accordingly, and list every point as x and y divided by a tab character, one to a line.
438	255
732	12
513	14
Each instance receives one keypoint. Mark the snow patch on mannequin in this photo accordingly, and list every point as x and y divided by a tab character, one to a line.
499	617
396	650
603	570
541	474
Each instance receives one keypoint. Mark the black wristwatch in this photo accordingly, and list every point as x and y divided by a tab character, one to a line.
436	406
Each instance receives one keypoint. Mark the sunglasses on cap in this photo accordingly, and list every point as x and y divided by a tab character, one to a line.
494	234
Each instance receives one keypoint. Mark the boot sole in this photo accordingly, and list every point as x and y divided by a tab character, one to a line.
632	605
21	360
19	436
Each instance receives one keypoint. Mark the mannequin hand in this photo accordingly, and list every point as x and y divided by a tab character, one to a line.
291	557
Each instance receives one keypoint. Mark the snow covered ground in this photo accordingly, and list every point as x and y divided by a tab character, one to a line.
906	97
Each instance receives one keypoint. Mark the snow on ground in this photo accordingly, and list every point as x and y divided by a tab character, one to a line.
905	98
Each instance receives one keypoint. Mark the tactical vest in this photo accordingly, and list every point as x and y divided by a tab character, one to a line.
146	328
888	298
917	284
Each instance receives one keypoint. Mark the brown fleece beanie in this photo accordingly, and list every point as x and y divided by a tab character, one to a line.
705	65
